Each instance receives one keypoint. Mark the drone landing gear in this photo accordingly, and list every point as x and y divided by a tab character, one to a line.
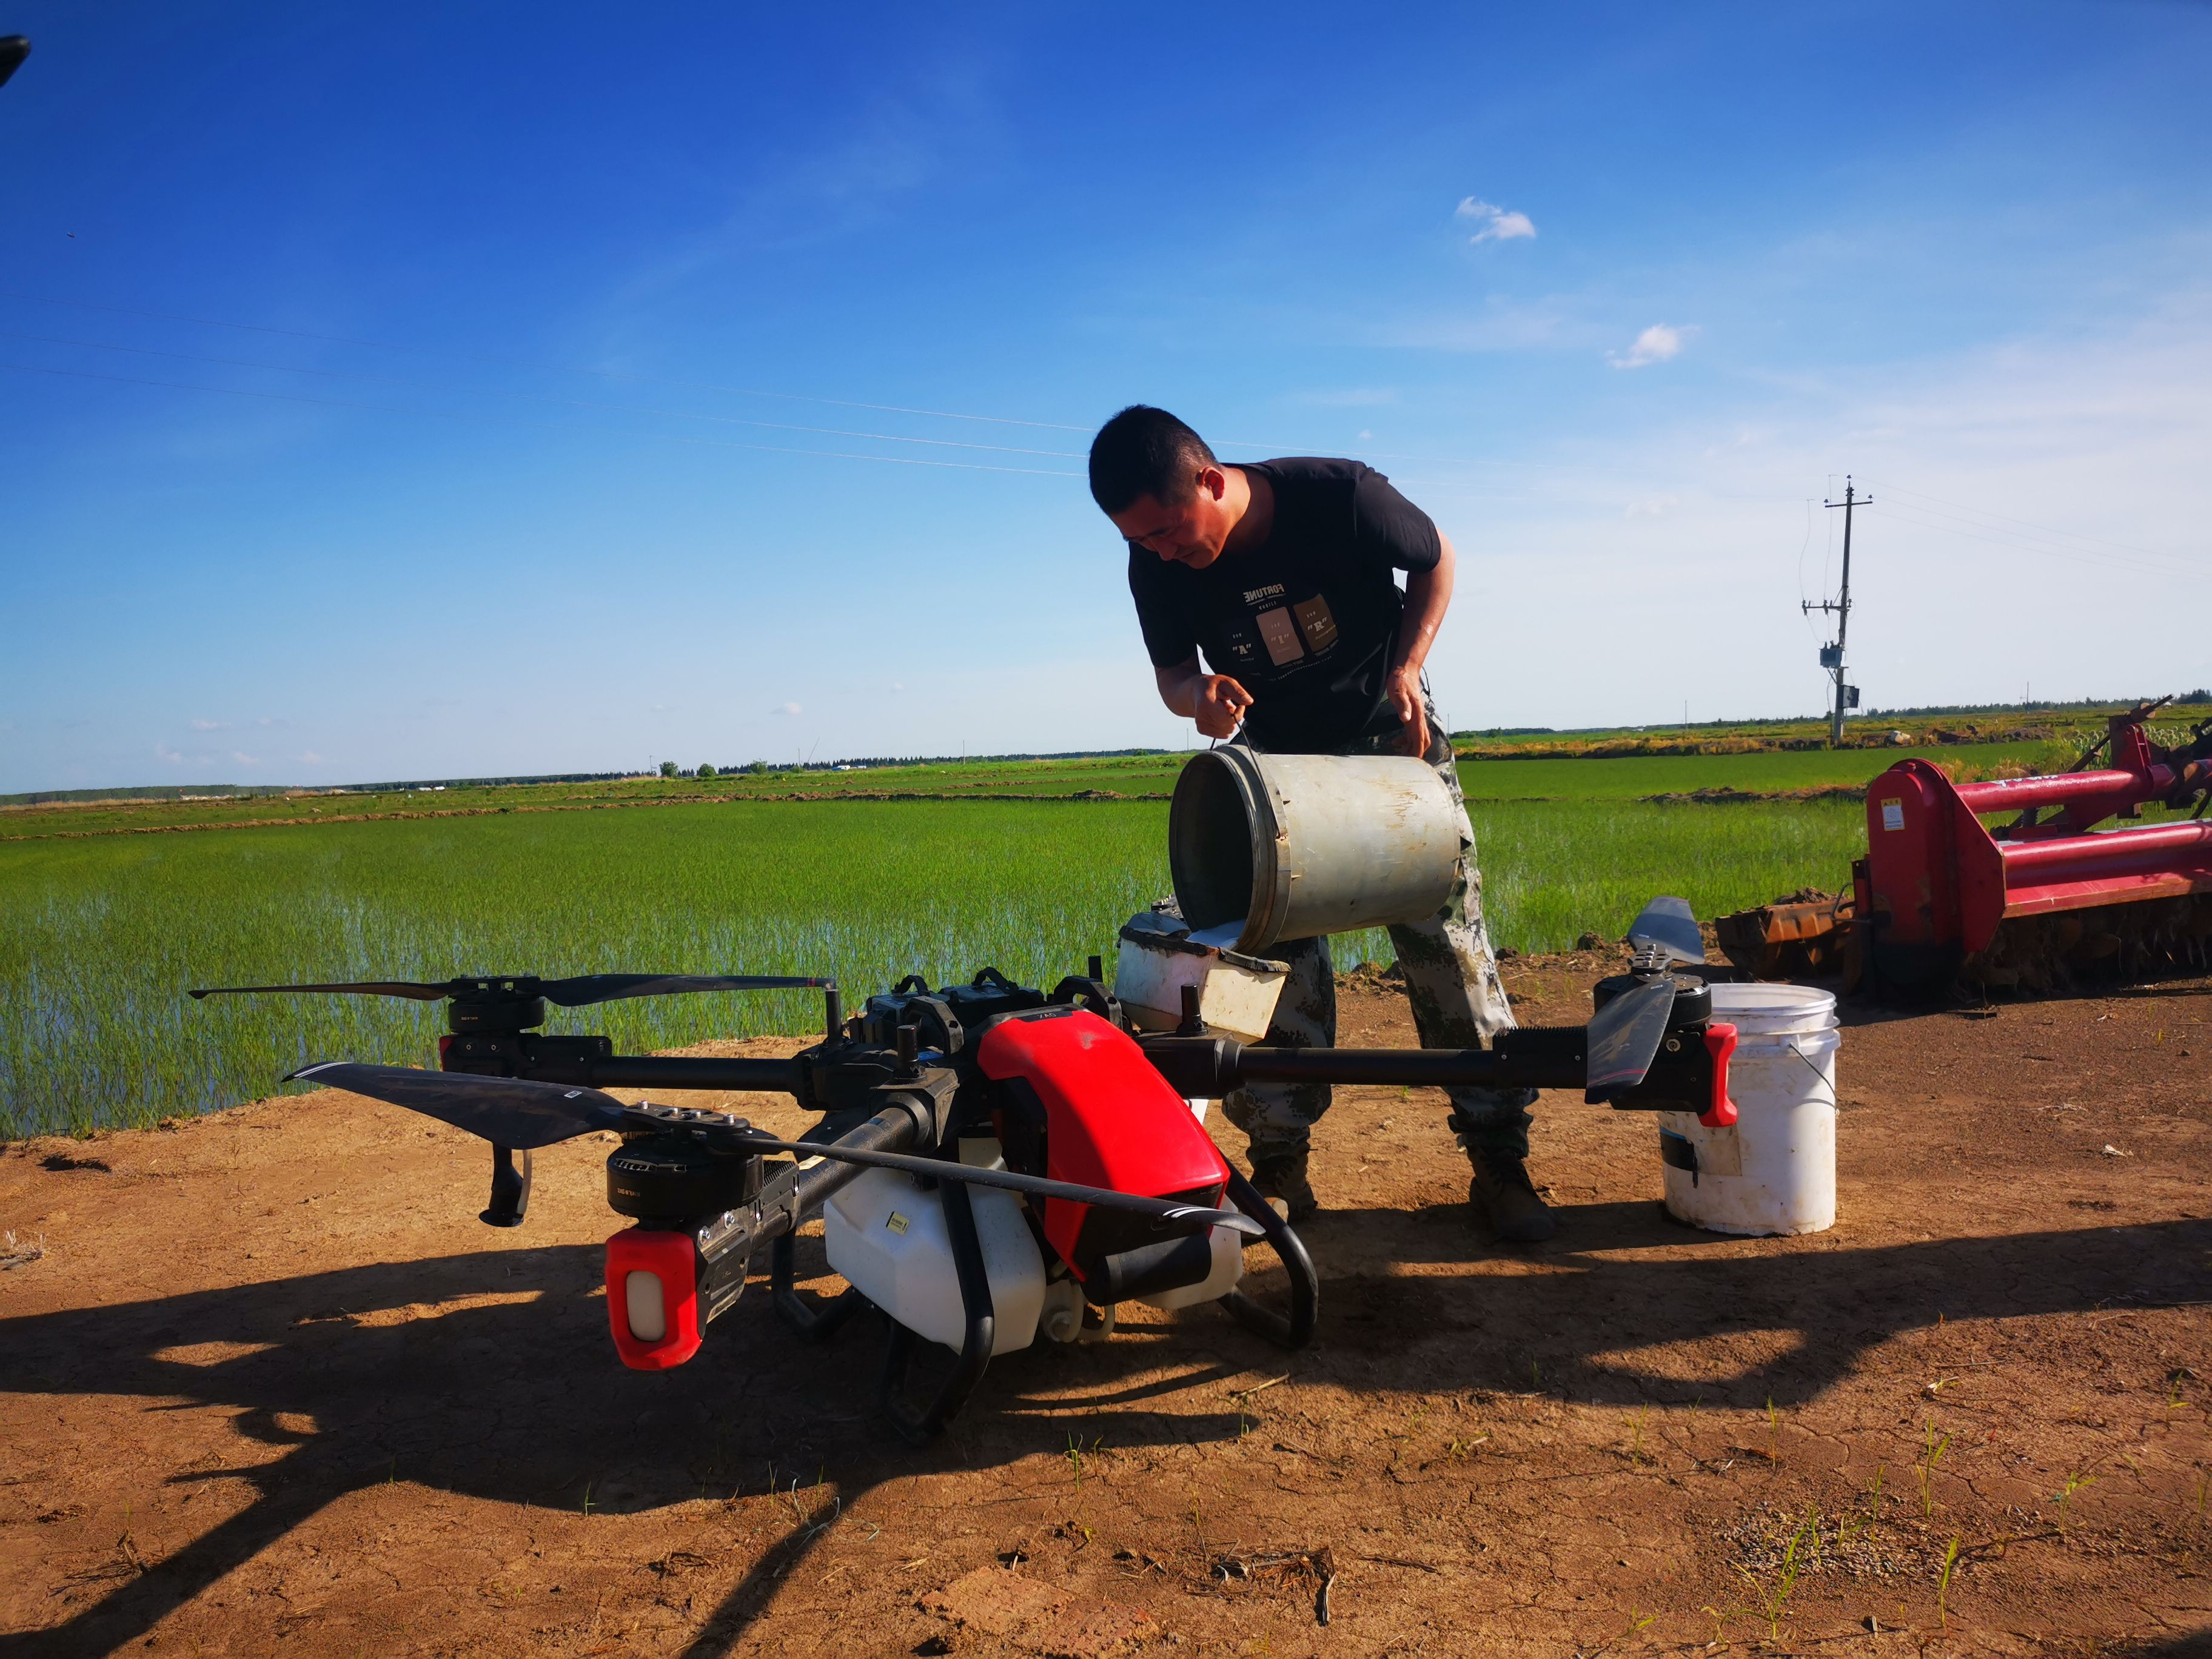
1297	1329
510	1189
819	1322
920	1428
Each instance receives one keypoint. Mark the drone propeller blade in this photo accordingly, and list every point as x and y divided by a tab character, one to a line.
523	1114
1667	924
1624	1037
507	1111
372	988
1189	1217
587	988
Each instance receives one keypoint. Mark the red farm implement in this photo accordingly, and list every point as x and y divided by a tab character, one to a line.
2044	896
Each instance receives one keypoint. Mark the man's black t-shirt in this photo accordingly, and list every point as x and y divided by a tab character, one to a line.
1306	621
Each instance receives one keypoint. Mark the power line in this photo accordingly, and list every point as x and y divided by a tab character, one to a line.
1982	513
2111	562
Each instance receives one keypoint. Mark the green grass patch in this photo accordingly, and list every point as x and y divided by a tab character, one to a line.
1633	777
100	938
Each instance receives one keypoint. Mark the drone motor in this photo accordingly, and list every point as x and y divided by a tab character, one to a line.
670	1179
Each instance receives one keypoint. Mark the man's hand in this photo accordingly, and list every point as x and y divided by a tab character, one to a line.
1218	705
1214	700
1403	688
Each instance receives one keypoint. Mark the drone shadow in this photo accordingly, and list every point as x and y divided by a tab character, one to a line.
490	1375
486	1374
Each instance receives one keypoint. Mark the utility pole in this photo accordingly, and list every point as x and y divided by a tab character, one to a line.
1832	656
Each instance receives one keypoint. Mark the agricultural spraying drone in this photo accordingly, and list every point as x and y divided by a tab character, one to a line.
1093	1181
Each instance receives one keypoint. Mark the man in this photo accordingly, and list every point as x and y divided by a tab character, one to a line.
1281	573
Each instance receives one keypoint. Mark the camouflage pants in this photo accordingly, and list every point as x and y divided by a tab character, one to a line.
1451	981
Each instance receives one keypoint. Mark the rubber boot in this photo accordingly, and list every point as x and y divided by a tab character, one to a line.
1502	1191
1279	1176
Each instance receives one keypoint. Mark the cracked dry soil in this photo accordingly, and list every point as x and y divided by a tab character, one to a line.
271	1387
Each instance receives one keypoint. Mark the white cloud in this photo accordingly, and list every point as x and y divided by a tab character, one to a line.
311	758
207	726
1658	343
245	759
1498	224
1652	507
787	708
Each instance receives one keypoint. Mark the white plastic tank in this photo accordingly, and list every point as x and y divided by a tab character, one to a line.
1774	1169
886	1235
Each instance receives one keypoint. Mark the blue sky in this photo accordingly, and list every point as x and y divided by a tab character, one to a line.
414	391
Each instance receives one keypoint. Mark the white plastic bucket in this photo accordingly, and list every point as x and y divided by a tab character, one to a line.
1774	1169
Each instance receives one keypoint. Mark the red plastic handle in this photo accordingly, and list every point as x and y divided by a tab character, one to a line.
1720	1044
670	1258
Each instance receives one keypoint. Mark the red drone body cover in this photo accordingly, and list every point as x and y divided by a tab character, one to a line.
670	1259
1111	1119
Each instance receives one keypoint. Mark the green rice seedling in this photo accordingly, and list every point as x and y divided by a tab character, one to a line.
1636	1435
1634	777
1931	1455
1720	1622
1944	1584
100	937
2064	1495
1553	869
1846	1529
1773	1596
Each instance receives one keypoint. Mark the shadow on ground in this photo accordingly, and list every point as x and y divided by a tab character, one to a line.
490	1375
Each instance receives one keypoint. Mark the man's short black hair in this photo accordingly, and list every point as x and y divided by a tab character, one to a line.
1145	451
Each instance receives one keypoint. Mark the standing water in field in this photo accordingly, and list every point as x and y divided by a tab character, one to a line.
101	938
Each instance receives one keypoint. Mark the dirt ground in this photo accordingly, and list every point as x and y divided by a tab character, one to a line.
271	1387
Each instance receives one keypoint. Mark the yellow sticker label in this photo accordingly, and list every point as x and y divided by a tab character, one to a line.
897	1222
1319	625
1281	635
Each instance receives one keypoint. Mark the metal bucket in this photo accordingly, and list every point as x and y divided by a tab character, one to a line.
1293	845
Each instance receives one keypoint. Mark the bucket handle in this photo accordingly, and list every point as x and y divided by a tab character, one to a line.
1720	1044
1811	1068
